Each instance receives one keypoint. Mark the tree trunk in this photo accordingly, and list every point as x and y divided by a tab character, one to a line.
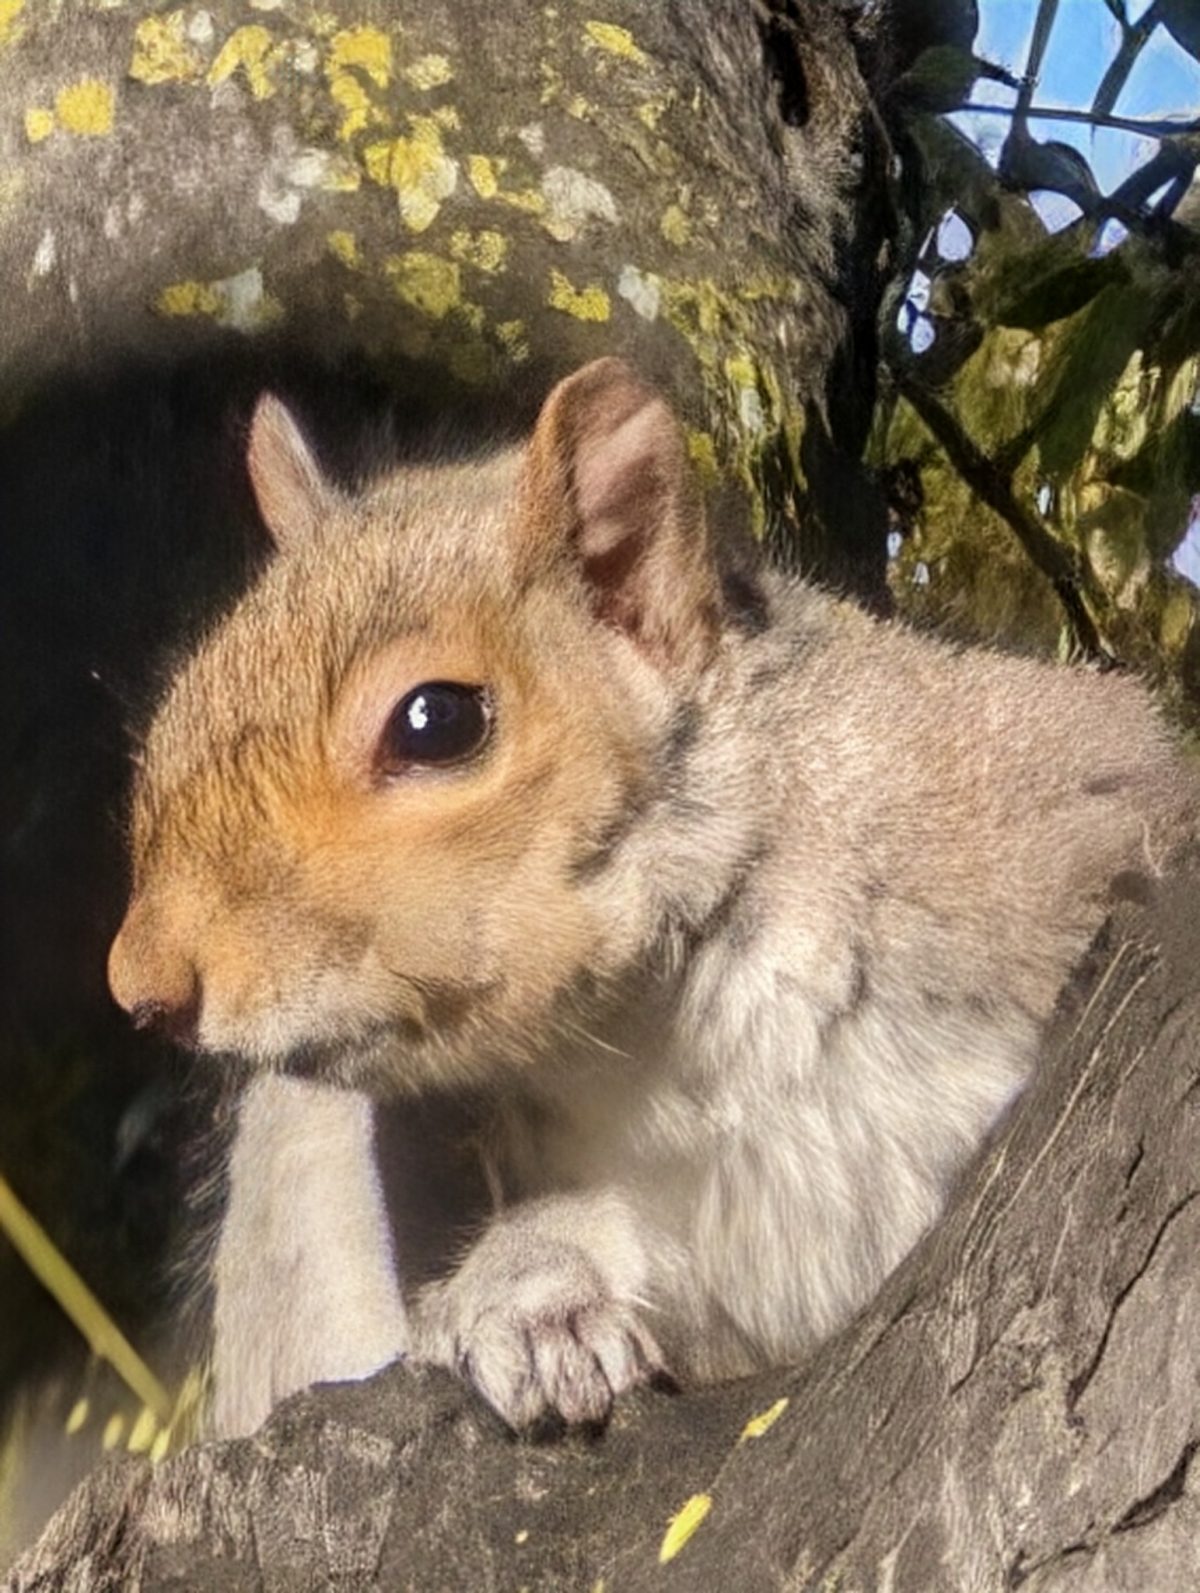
491	192
1018	1408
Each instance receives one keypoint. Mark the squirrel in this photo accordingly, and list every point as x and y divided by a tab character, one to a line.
721	917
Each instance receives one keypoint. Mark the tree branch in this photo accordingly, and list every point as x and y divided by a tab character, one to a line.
1163	127
1062	568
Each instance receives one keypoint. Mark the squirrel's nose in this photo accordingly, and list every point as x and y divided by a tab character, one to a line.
152	979
175	1023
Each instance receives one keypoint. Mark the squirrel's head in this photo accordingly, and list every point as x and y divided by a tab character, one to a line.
386	821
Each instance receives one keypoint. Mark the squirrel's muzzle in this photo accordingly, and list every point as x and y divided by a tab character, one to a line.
153	980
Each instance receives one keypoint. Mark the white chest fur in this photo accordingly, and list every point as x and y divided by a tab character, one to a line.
793	1141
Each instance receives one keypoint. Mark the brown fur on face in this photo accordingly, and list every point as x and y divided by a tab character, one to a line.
314	910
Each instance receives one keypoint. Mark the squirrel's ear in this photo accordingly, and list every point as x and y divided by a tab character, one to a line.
293	496
608	487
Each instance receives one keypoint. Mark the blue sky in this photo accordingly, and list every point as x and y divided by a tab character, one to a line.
1165	81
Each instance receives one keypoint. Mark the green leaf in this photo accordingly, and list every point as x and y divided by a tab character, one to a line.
953	172
914	28
1164	471
1178	335
939	79
1033	287
1058	294
1088	362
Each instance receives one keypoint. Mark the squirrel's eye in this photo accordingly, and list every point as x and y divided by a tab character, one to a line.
437	723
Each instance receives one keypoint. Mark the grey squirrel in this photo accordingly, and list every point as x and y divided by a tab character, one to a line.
737	913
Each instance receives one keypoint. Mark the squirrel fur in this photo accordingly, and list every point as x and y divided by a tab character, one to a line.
730	940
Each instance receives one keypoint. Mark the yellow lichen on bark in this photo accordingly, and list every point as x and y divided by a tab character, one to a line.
352	99
366	48
417	167
429	72
85	108
344	246
512	339
675	226
188	298
39	123
10	11
615	40
486	251
250	50
162	51
426	282
589	303
484	179
239	301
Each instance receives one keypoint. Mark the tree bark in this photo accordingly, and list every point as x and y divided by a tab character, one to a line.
491	193
1017	1409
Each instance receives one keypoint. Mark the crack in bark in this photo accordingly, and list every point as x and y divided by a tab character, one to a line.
1140	1514
1079	1383
982	1227
1019	1572
1159	1500
1135	1162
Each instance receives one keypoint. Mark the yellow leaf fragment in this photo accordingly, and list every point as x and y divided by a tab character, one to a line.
684	1525
143	1433
54	1271
758	1425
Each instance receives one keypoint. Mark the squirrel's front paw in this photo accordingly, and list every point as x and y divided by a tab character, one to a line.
537	1336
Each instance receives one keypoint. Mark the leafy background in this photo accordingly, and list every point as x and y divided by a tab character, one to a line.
1039	422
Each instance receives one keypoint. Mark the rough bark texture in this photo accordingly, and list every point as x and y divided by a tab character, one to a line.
1018	1409
495	191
